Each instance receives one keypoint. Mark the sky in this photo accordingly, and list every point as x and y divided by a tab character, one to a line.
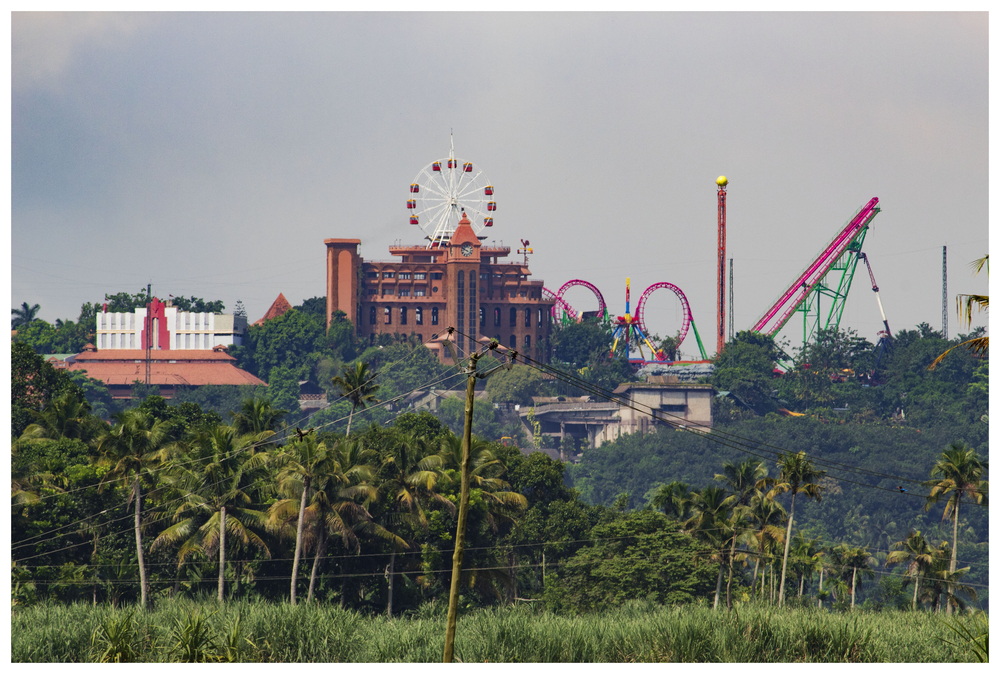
210	154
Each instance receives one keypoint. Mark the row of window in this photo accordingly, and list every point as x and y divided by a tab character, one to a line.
403	292
418	315
406	276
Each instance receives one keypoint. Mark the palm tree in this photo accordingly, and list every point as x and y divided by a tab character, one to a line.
743	479
220	480
356	385
66	416
918	556
978	345
406	488
855	558
804	555
958	471
769	516
132	448
23	316
484	474
299	464
674	499
712	507
257	415
797	475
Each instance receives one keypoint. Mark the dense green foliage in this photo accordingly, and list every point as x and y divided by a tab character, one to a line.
636	631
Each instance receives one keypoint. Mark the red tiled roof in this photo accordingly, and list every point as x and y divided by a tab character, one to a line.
279	307
122	367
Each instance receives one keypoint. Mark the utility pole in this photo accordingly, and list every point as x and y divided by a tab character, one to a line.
463	513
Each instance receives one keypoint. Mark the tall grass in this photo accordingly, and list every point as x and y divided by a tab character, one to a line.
256	631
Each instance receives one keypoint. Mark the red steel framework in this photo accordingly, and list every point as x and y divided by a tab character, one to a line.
721	329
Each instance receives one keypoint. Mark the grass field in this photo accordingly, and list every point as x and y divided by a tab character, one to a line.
185	630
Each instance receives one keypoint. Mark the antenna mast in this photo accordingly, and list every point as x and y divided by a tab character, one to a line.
721	328
149	332
944	292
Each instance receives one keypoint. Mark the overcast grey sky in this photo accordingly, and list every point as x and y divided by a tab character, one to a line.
211	154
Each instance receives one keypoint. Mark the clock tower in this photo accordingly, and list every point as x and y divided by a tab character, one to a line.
463	285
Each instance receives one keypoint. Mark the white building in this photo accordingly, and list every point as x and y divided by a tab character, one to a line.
172	329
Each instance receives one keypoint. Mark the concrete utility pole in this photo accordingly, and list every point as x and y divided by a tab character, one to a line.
463	513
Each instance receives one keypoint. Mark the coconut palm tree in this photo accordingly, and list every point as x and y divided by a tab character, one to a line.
300	464
356	385
673	499
133	448
743	479
257	415
23	316
406	489
66	416
799	476
957	472
804	555
769	516
221	480
711	508
484	474
855	558
918	556
978	345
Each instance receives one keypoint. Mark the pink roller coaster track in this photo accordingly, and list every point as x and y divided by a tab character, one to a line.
804	284
685	308
601	305
560	304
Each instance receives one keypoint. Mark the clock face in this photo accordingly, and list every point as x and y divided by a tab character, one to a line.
467	249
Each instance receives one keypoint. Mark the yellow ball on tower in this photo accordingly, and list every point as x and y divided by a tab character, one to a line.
722	181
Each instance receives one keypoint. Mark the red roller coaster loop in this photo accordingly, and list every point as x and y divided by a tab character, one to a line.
685	308
601	304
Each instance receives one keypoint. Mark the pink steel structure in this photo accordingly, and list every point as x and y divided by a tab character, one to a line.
685	308
601	304
560	304
776	317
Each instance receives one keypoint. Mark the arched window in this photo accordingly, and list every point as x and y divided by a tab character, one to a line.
513	317
434	316
539	316
482	316
371	315
419	315
527	317
496	317
513	341
388	315
402	315
527	342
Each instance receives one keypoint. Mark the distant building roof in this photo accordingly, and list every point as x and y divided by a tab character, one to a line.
187	367
279	307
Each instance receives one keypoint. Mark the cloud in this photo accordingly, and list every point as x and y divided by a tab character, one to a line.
45	44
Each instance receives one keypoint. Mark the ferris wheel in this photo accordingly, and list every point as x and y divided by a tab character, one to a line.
442	191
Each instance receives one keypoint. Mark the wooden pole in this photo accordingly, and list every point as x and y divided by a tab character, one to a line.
463	512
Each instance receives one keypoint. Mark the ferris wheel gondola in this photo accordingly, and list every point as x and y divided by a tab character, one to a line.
445	189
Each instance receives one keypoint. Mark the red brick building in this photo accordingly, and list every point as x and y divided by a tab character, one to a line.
459	283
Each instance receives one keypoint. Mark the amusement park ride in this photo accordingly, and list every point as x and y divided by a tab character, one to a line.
446	188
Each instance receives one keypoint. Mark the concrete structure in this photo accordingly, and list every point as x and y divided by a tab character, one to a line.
172	329
119	369
461	283
676	404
